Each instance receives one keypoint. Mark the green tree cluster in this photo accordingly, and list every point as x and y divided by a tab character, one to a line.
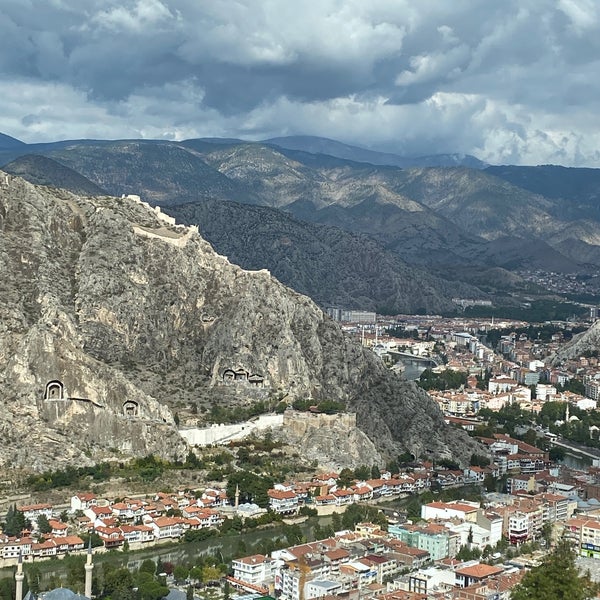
446	380
251	486
556	578
579	430
15	522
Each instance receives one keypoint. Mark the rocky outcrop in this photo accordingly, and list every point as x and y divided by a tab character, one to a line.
585	342
331	441
131	315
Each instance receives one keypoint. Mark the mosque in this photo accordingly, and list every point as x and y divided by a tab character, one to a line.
60	593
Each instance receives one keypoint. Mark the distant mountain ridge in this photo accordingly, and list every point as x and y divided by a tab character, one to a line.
8	142
42	170
332	266
329	147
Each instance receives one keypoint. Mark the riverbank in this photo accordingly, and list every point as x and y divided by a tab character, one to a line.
176	552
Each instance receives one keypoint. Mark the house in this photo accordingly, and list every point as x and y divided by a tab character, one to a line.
448	510
384	565
15	547
32	511
584	534
83	501
362	493
283	502
59	529
98	515
431	580
325	500
214	497
43	549
112	537
498	588
167	527
321	588
439	541
475	474
69	543
128	510
137	533
335	558
205	518
405	555
360	571
343	497
475	574
255	569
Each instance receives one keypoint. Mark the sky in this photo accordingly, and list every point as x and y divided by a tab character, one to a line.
511	82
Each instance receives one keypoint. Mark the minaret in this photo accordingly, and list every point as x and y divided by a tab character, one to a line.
567	413
19	576
237	496
89	567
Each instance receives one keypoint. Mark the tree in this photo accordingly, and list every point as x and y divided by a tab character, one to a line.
148	566
556	578
210	573
43	524
336	521
189	593
33	577
530	437
226	590
96	539
15	522
7	588
180	572
117	579
160	567
363	472
293	534
547	531
556	454
75	572
345	478
478	460
151	589
251	486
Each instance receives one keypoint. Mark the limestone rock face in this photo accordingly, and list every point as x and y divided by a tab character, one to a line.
586	341
110	315
332	441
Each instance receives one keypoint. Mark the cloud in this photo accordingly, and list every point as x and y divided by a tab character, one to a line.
508	82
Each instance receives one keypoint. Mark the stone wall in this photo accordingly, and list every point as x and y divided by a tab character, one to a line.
300	422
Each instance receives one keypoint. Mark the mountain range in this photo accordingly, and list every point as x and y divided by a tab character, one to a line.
371	235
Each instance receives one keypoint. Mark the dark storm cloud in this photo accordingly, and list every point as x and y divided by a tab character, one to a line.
508	81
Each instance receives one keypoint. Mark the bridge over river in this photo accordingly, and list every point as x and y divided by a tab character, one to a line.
414	365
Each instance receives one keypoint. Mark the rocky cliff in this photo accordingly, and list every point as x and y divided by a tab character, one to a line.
332	441
111	316
585	342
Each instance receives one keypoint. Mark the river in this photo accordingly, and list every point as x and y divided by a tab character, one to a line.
181	553
413	368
